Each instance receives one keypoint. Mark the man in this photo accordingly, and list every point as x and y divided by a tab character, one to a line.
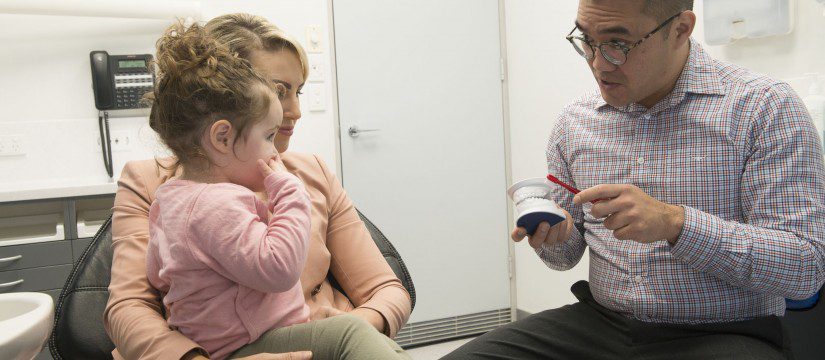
704	205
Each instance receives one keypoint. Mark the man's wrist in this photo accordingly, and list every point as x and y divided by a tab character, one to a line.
677	221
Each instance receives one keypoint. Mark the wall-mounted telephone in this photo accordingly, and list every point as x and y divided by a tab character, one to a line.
120	81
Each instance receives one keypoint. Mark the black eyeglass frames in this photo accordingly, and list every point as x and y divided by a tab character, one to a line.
613	51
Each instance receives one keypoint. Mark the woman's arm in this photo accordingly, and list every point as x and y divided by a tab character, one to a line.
359	267
133	317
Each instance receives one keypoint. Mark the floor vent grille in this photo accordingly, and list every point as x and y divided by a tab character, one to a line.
426	332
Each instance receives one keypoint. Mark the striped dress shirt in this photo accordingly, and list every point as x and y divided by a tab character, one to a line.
739	152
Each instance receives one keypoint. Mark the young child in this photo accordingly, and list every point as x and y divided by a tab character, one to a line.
227	262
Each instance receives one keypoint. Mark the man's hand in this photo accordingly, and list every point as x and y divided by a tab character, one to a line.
632	214
545	234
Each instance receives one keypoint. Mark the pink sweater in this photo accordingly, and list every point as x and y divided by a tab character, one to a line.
228	273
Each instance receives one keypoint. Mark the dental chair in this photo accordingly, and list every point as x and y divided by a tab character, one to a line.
78	325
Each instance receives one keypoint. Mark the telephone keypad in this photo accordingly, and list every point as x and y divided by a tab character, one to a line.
130	88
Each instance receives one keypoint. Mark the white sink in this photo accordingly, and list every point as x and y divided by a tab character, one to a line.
25	323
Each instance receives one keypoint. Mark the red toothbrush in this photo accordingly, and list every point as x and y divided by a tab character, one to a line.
568	187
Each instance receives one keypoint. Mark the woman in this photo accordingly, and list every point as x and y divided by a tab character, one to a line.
339	241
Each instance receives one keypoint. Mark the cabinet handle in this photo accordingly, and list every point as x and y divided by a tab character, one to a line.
10	259
11	284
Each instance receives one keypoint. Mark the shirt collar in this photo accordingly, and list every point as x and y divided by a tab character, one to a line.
699	76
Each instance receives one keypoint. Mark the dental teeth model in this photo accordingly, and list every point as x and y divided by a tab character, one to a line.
533	205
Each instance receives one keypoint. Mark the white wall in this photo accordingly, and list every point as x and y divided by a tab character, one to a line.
545	74
46	92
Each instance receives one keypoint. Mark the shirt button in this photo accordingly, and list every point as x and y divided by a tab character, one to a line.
640	160
638	279
646	117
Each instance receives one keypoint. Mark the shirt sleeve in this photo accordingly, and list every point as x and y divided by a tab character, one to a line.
358	265
566	255
227	234
780	247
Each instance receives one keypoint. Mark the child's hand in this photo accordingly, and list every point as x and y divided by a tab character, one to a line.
323	312
273	166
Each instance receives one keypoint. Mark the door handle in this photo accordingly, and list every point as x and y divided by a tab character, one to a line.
11	284
354	131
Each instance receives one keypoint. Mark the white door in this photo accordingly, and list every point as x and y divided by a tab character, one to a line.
425	75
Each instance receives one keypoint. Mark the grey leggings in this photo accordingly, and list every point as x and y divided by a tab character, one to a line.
339	337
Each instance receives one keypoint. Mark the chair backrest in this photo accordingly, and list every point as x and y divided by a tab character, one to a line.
78	318
390	254
806	328
78	321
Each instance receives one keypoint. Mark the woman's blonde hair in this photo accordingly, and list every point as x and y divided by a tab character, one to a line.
200	80
245	33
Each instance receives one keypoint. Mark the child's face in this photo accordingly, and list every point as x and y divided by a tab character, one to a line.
258	144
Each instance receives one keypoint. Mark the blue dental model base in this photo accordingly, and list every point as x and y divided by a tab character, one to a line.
531	221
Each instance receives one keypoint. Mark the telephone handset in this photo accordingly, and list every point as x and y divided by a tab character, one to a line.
120	81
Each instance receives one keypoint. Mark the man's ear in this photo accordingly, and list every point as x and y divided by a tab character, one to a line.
683	26
222	136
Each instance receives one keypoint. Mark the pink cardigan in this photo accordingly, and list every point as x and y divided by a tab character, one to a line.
229	271
339	244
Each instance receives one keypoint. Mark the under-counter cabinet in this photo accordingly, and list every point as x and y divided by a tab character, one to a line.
40	240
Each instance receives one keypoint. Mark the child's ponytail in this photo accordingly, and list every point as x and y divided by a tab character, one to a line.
200	81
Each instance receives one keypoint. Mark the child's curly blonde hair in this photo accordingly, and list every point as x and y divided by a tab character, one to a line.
200	81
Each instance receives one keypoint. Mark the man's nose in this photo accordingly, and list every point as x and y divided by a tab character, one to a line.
601	64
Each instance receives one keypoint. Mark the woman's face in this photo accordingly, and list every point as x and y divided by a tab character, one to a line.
282	67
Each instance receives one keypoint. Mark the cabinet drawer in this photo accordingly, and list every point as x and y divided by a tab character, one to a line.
79	246
35	255
35	279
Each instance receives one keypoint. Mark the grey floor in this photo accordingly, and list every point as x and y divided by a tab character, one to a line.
430	352
436	351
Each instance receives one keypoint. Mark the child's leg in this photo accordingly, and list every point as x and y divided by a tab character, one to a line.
339	337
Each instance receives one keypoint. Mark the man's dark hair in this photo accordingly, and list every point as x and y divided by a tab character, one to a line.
663	9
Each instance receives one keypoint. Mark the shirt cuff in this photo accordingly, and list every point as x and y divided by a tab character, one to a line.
559	257
700	240
393	304
197	351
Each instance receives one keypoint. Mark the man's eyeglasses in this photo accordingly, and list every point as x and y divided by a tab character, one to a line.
613	51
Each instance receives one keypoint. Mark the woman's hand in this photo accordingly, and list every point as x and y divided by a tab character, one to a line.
300	355
323	312
373	317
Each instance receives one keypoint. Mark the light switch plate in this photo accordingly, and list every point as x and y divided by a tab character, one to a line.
121	142
316	97
314	40
12	145
316	68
